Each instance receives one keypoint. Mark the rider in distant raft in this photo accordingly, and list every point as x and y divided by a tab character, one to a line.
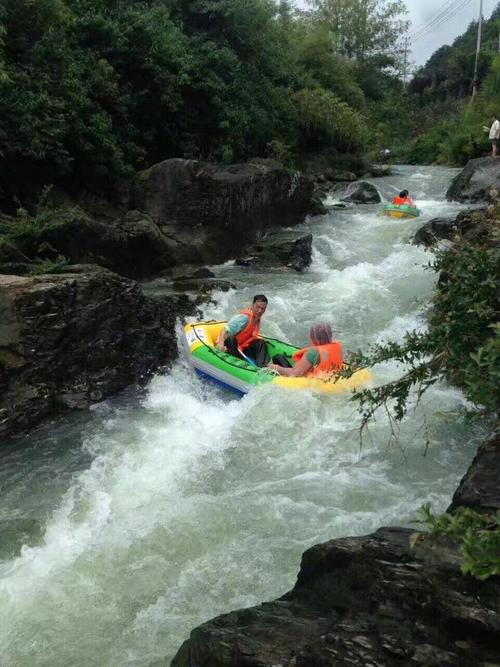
403	199
322	358
239	337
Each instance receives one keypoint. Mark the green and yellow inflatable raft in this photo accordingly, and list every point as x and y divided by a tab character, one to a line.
400	211
240	376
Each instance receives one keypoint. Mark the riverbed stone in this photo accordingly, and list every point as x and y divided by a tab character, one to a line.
69	340
474	182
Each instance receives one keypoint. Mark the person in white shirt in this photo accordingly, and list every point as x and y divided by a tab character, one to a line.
494	134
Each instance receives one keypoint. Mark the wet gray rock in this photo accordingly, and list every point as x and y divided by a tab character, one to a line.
360	192
469	224
69	340
379	170
280	249
480	486
475	181
362	601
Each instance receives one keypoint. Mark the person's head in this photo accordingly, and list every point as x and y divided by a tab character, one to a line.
320	333
494	117
259	305
403	193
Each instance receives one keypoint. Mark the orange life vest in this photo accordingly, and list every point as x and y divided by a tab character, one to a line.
330	358
250	332
403	201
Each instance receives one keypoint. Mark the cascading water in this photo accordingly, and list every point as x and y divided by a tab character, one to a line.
162	510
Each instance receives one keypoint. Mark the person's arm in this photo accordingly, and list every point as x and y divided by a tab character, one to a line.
300	368
232	328
221	340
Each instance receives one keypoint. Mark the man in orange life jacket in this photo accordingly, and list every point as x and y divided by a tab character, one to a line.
240	334
403	199
323	357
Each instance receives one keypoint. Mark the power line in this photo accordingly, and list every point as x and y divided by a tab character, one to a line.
451	11
454	11
442	10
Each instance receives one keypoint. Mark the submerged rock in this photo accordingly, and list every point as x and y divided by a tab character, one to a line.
72	339
475	181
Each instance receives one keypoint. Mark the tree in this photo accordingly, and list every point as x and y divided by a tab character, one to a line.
361	29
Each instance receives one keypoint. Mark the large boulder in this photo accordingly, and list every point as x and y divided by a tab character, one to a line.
361	192
362	601
71	339
480	486
131	245
470	224
211	212
476	180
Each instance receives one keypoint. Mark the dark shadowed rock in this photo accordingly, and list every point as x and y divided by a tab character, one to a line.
469	224
360	192
132	245
362	601
475	181
317	206
435	230
481	484
71	339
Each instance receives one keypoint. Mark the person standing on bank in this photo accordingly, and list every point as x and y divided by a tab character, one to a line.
239	336
494	134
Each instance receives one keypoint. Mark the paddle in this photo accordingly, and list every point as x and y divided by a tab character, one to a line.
250	361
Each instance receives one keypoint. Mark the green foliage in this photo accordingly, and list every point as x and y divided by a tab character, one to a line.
477	534
327	120
462	342
94	90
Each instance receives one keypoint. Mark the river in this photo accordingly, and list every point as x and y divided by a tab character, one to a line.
122	529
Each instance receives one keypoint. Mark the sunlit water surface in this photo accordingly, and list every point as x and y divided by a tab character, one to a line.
123	529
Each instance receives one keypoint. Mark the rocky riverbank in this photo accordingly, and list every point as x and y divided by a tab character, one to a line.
69	340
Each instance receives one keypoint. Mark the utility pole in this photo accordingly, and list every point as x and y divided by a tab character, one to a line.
478	48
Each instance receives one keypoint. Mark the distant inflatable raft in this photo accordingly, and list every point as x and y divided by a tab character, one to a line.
400	211
240	376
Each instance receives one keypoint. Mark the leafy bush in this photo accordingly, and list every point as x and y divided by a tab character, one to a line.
477	534
324	118
462	342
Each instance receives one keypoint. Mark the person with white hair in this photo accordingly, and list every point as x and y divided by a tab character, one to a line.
321	358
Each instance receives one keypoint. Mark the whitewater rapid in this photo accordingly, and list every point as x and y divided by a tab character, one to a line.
125	528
